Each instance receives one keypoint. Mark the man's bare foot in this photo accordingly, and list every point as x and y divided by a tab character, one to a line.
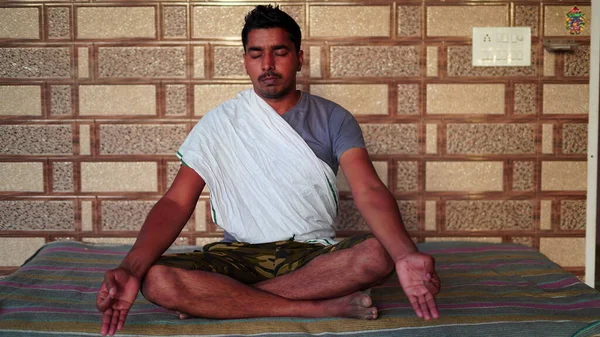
357	305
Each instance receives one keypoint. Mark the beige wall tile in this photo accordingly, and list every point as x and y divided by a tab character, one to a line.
198	62
432	61
229	62
132	139
567	252
546	215
391	138
208	21
527	16
59	25
22	177
566	99
359	99
19	23
381	61
175	99
115	22
549	63
200	216
408	99
110	241
15	251
407	176
85	143
554	20
464	176
575	138
431	138
117	100
20	100
523	175
489	215
577	63
86	216
564	176
62	177
409	20
31	62
464	238
209	96
29	215
152	62
522	240
119	177
83	62
335	21
36	139
381	167
442	20
350	219
525	99
572	215
60	100
547	138
497	138
125	215
430	215
315	61
175	21
477	99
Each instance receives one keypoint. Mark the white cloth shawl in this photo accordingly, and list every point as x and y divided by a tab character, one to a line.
266	183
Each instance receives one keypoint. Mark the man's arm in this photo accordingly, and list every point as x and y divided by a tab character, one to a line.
162	226
380	210
164	222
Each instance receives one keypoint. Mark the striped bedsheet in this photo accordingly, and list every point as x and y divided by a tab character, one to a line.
488	290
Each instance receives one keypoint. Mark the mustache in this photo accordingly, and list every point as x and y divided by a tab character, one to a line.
269	74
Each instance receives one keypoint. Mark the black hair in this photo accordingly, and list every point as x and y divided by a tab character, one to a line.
268	16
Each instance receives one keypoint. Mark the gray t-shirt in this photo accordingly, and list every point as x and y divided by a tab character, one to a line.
327	128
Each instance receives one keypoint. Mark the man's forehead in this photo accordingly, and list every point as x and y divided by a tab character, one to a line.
269	37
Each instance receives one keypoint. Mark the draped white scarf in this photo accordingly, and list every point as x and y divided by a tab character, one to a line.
266	183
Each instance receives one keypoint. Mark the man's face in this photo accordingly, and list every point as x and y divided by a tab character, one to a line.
271	62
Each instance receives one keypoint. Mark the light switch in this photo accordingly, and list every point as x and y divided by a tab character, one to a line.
501	46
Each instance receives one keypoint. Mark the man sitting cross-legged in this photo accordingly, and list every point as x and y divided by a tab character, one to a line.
270	157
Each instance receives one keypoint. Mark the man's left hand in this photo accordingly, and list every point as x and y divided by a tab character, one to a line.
420	282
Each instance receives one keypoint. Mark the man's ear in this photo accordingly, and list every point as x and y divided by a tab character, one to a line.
300	60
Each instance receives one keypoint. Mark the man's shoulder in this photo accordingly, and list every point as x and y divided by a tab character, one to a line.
321	101
227	105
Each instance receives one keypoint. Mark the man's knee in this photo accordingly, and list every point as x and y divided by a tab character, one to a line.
159	285
372	259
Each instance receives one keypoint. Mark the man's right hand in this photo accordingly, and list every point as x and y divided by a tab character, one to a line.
115	297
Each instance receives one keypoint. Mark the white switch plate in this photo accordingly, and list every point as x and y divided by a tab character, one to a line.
501	46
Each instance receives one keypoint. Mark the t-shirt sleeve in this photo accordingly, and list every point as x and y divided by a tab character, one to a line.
345	131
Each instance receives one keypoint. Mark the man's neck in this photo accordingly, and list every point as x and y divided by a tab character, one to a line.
285	103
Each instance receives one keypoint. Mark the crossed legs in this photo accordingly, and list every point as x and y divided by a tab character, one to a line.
326	287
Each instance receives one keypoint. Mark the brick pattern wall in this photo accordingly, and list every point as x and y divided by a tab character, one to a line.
96	96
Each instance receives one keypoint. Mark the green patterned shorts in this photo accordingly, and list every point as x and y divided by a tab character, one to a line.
251	263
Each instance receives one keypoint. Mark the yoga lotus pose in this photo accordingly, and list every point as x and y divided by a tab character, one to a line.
270	158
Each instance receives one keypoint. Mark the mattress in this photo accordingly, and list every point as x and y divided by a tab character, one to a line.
487	290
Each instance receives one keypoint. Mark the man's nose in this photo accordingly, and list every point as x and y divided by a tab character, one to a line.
268	62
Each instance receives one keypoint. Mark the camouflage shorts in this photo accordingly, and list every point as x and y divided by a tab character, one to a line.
251	263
